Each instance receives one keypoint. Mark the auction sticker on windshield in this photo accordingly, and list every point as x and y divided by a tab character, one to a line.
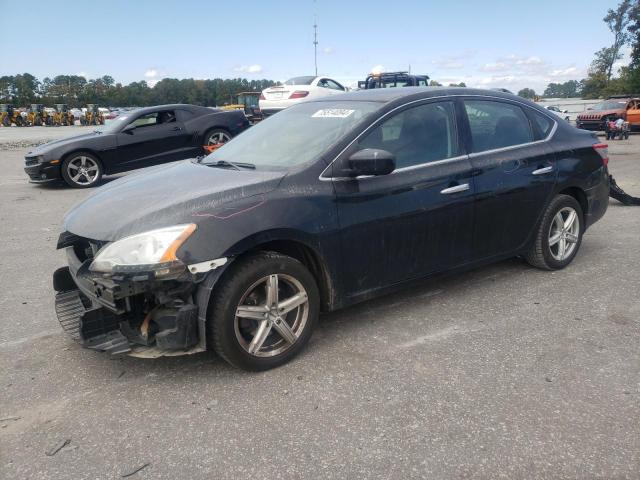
333	113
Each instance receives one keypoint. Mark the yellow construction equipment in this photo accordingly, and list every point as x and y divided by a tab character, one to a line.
62	115
9	114
92	116
37	115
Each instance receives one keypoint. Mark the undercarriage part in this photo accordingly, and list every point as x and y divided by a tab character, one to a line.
177	329
113	342
616	192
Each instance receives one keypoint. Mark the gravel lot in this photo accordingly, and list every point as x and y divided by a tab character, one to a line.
501	372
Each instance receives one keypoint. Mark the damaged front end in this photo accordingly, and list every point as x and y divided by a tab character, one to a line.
140	310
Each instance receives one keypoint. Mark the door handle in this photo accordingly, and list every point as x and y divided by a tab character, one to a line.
458	188
542	171
176	129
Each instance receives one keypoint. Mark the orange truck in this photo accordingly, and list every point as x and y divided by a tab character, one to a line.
626	107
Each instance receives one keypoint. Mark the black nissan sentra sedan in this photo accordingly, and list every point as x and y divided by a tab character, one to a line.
325	204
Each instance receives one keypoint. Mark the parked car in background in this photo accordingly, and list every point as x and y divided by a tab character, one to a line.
392	80
331	202
612	108
111	115
143	137
564	114
296	90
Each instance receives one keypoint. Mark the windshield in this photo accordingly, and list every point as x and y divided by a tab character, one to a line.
116	124
300	81
609	105
294	136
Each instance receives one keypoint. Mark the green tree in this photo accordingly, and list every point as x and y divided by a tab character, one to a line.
618	22
527	93
433	83
571	88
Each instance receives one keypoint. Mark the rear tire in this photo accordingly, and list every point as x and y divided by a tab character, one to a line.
559	234
216	136
263	337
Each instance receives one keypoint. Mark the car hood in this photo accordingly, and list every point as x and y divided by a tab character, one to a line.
45	147
599	113
163	196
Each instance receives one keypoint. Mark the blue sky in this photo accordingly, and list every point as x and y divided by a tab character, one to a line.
512	44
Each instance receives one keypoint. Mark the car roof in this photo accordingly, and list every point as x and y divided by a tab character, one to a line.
386	95
173	106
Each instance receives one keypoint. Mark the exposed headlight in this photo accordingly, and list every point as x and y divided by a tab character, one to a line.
152	251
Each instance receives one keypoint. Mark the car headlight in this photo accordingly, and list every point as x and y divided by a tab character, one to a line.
152	251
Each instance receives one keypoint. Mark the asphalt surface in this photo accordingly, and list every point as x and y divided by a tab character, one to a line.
501	372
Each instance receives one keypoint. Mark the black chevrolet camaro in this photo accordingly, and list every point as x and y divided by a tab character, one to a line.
136	139
328	203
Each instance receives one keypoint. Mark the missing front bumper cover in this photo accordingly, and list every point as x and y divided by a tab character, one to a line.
116	330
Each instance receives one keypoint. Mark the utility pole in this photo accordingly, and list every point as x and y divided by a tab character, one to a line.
315	45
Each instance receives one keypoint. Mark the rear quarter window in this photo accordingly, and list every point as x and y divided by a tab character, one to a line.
542	124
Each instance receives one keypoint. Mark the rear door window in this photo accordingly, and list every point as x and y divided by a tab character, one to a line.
496	125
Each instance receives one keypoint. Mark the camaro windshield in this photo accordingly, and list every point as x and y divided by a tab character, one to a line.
117	123
294	136
609	105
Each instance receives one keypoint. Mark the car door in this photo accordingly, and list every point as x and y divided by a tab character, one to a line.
156	138
514	172
416	220
633	113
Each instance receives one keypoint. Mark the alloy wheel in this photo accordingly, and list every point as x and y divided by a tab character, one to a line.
271	315
83	170
564	233
218	138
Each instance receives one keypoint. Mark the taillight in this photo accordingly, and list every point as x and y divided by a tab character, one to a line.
603	151
299	94
262	97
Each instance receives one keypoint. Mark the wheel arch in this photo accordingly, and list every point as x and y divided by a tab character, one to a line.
580	196
206	131
296	246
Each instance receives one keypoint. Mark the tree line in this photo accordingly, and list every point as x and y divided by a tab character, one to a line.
602	80
76	91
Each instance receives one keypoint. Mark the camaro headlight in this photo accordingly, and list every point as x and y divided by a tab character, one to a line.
154	250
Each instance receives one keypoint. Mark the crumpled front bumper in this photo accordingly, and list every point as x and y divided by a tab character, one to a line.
137	316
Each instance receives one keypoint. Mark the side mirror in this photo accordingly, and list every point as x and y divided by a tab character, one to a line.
371	161
129	129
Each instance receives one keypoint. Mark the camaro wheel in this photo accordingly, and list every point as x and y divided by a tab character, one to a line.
82	170
559	234
264	311
216	137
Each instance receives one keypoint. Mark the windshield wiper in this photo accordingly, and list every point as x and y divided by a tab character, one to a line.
237	166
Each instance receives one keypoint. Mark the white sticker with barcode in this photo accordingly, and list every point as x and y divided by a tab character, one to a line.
333	113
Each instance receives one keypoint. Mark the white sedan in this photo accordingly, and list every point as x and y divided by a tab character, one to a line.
295	90
564	114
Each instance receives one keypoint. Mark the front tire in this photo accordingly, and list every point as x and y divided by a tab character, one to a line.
559	235
263	312
82	170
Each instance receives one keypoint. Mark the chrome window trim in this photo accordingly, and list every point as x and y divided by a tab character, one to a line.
438	162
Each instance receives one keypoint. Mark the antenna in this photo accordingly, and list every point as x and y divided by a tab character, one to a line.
315	46
315	36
